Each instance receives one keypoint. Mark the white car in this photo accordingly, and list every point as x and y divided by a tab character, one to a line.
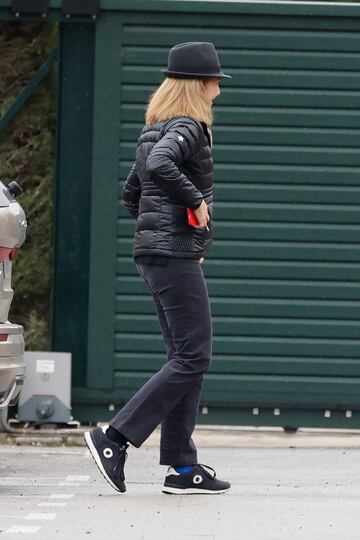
12	235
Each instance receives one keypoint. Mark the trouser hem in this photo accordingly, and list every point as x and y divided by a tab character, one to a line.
177	461
130	439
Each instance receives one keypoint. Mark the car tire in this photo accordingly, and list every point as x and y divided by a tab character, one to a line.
3	419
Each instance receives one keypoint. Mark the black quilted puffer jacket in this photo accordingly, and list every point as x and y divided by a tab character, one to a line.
173	171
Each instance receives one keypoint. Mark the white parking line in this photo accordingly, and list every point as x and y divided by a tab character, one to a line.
29	478
44	517
32	495
29	481
77	478
62	496
58	504
25	530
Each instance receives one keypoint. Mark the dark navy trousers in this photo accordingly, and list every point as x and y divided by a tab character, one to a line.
171	396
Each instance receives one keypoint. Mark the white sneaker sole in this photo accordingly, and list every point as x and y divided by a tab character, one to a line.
97	460
192	491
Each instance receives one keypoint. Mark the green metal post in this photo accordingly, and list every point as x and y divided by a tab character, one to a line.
73	194
104	202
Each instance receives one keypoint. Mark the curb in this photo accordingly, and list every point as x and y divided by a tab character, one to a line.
217	437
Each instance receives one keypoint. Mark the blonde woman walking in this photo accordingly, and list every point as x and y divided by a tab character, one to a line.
171	176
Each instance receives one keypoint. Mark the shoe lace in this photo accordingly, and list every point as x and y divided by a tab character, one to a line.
119	467
206	471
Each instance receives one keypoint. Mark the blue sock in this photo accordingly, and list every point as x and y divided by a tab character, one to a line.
183	470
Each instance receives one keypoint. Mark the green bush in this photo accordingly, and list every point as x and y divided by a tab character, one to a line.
27	148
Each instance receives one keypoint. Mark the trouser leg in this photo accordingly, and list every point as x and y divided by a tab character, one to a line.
176	444
181	290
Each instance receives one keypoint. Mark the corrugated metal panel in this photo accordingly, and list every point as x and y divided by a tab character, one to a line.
284	269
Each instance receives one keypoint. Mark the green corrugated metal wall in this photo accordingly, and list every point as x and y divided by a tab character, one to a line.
283	272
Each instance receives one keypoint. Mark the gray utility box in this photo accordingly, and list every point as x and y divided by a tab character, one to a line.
45	397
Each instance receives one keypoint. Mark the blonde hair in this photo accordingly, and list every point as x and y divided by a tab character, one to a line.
178	97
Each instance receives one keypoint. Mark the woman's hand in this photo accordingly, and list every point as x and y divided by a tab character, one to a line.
202	215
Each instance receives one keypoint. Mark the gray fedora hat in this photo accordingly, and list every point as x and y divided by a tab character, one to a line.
194	60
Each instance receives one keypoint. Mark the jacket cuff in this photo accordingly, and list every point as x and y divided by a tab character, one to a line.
196	204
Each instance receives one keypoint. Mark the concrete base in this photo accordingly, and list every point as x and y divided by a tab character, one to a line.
221	437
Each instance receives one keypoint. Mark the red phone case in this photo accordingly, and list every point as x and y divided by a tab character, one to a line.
192	219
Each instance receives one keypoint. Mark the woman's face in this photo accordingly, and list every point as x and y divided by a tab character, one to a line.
211	90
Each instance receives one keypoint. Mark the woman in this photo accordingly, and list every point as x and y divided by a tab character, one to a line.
171	175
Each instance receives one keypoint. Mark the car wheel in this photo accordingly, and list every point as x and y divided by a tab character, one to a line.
3	419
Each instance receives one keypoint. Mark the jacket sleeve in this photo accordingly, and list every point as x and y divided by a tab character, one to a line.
180	141
132	192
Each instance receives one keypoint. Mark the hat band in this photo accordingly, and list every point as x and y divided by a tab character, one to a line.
184	75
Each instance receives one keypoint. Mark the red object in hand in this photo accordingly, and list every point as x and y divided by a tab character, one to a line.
192	219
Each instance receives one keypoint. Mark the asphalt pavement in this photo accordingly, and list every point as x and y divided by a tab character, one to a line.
282	489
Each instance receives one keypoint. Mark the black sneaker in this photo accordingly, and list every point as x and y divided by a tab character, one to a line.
108	456
198	480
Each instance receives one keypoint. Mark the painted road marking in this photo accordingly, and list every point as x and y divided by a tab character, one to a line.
29	478
25	530
42	481
11	517
62	496
22	496
29	482
52	504
77	478
44	517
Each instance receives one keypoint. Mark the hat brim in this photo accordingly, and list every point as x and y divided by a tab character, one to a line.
182	75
